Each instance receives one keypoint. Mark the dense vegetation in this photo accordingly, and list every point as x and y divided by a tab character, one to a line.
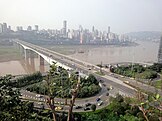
138	71
156	67
144	108
120	109
62	84
25	80
12	108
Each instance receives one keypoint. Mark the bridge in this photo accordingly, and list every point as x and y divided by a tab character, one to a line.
47	58
49	55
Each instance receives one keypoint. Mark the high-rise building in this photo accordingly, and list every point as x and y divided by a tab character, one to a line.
36	28
160	51
80	28
64	28
9	28
108	29
1	28
19	28
93	29
108	34
29	28
4	27
81	37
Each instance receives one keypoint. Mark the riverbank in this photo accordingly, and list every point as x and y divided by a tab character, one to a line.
8	53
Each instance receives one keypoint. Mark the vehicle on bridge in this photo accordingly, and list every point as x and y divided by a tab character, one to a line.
111	87
58	108
98	99
38	95
100	103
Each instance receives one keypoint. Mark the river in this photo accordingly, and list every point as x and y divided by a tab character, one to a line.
144	52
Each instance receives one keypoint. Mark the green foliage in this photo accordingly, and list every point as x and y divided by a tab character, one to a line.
158	84
148	74
39	88
156	67
11	107
60	84
27	80
89	87
118	110
93	107
129	117
137	71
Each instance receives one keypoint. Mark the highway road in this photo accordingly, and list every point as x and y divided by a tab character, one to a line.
40	100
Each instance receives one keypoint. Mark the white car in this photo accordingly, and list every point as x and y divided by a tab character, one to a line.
100	103
40	103
38	95
111	87
127	82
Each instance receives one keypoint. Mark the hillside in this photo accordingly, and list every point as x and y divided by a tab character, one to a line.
145	35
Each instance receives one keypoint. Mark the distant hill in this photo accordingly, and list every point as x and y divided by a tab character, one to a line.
145	35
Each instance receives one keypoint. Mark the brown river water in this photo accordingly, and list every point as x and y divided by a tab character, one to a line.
144	52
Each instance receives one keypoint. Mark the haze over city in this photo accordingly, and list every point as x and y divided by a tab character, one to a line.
123	16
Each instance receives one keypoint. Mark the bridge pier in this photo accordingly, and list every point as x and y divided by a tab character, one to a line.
32	62
41	60
21	49
41	67
27	54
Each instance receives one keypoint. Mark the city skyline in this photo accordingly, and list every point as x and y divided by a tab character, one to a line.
84	35
123	16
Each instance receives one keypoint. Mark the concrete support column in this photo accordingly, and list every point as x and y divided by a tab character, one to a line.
41	64
32	62
21	49
41	61
25	54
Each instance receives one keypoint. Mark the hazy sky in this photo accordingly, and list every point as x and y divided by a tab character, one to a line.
122	15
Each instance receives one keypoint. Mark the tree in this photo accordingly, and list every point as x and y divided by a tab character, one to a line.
93	107
51	93
147	106
91	79
74	93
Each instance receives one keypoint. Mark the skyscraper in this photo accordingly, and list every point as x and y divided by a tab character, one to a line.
64	28
4	27
9	28
93	29
36	28
29	28
108	29
19	28
1	28
160	51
